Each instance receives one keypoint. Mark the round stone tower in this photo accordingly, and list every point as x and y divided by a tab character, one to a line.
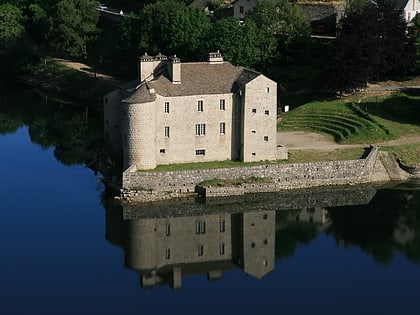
139	138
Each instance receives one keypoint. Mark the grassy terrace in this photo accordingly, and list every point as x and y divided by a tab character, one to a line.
294	157
371	120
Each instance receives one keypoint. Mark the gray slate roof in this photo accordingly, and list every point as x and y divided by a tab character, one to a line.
196	79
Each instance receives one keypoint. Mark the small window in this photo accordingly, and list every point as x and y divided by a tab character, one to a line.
200	152
265	138
265	242
167	107
166	131
254	131
241	9
200	129
265	216
267	90
106	100
222	248
168	253
222	104
200	227
162	151
267	112
252	245
222	128
254	110
222	226
200	250
168	229
200	106
253	154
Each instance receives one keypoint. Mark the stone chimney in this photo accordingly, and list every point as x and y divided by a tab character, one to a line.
145	67
149	65
174	69
215	58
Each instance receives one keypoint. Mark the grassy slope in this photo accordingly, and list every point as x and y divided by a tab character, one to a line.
375	119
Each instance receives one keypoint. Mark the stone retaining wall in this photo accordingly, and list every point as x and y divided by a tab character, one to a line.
411	169
283	176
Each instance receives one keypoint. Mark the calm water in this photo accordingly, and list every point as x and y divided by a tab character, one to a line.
65	249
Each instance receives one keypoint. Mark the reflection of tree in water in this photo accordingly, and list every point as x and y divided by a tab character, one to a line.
390	222
10	117
290	233
75	134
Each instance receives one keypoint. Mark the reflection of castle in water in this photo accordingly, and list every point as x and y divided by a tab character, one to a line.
195	238
159	248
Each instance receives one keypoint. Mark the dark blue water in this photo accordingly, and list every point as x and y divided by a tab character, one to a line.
63	251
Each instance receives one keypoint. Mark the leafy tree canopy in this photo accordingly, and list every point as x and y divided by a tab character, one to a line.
372	43
11	27
74	26
238	42
279	24
171	27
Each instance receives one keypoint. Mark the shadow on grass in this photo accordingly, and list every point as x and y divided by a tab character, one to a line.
401	108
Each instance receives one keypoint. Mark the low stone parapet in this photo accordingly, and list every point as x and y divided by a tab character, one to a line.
414	170
279	177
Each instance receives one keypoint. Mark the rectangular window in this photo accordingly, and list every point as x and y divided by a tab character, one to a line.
166	131
265	138
200	250
167	230
222	248
200	106
222	105
200	227
267	90
267	112
254	110
241	9
166	107
200	129
162	151
168	253
200	152
222	225
222	128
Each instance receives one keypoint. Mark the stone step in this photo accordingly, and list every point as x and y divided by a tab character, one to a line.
390	165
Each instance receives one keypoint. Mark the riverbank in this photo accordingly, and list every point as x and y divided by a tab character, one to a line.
70	80
377	167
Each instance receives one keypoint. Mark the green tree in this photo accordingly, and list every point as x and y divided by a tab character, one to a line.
372	43
12	36
74	26
239	43
354	6
38	23
281	26
415	35
170	27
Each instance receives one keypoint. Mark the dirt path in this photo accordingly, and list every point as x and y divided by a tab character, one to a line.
300	140
84	68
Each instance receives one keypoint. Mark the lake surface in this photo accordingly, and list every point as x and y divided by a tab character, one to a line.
67	249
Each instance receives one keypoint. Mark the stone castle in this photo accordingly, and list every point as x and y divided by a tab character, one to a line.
178	112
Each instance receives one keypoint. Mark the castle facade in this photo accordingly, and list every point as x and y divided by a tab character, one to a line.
192	112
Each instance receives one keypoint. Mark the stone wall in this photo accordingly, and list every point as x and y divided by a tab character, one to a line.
414	170
283	176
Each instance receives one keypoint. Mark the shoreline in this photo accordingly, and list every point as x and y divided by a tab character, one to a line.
149	187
